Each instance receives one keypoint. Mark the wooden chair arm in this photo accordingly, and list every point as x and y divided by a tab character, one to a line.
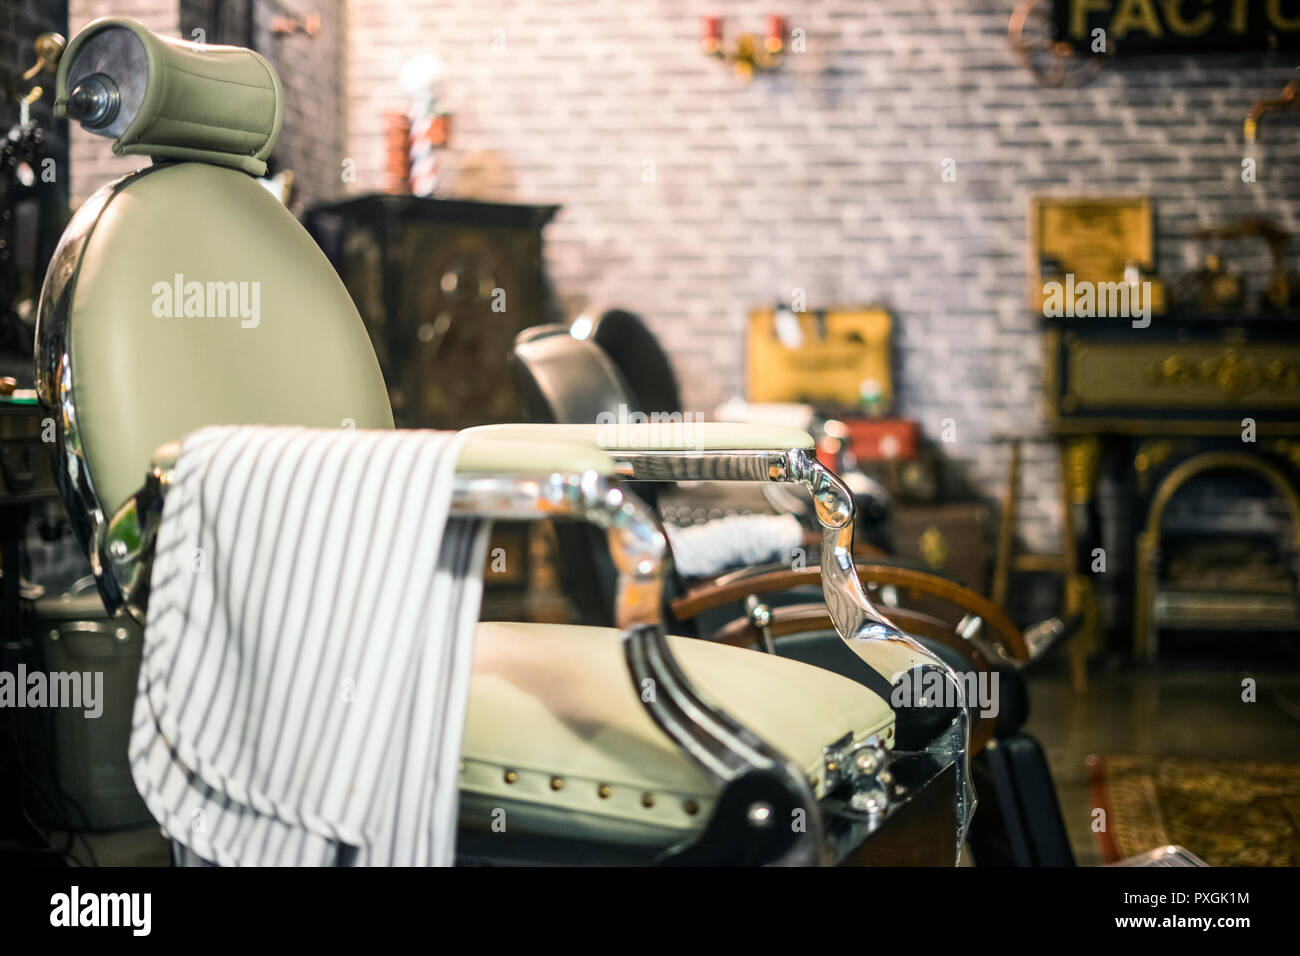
709	596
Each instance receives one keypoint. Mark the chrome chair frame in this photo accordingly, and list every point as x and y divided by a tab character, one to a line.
857	620
759	785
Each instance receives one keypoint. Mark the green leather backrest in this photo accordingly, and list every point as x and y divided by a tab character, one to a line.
262	332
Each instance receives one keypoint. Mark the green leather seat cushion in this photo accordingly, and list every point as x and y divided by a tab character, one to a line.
554	722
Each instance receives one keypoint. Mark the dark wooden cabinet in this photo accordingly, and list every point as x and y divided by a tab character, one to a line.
443	286
949	538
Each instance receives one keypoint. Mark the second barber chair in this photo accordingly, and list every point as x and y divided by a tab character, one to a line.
607	359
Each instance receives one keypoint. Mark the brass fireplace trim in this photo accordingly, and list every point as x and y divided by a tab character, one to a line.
1188	375
1081	462
1148	543
1063	421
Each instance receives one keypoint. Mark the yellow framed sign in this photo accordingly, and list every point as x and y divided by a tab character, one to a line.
837	357
1092	239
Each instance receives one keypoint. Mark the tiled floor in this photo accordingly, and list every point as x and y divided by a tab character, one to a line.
1166	710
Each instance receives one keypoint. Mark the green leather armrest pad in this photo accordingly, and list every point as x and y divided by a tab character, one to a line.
667	438
485	453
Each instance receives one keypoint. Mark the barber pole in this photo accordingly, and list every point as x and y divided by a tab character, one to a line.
428	136
419	80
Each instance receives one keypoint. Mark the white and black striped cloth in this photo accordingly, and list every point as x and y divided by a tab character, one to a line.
734	541
307	656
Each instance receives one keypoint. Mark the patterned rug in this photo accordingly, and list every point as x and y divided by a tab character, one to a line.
1226	812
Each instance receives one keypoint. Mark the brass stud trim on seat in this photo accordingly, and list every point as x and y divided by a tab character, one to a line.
557	783
647	800
511	776
691	808
603	791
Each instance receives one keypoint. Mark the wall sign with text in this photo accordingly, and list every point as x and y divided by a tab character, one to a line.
1178	26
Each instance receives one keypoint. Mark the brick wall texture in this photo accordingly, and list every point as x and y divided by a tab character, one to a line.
691	196
825	176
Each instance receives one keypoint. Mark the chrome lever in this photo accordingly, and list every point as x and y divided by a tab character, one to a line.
858	620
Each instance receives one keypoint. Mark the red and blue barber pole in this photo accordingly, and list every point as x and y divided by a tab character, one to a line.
429	134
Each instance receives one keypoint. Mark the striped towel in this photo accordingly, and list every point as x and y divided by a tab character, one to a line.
307	656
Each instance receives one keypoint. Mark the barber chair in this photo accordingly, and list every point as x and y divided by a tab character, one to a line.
607	358
587	574
602	744
563	375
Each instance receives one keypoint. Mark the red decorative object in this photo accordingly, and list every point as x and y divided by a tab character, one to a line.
751	53
873	439
711	34
397	153
775	39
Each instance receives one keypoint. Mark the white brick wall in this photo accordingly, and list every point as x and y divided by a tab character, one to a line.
825	176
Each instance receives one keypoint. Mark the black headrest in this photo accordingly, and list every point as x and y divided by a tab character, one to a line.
637	353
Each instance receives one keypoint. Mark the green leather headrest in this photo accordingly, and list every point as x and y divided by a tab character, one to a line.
169	98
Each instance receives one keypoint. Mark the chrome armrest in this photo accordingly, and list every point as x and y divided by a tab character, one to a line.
866	630
737	452
759	785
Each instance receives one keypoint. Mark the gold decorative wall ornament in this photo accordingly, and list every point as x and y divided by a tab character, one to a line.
1205	375
1231	373
751	53
1288	99
1052	62
934	547
1093	241
1082	458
